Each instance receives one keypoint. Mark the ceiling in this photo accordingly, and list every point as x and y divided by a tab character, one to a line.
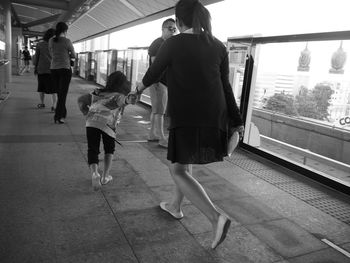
88	18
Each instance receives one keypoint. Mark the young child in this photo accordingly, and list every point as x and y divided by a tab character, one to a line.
103	109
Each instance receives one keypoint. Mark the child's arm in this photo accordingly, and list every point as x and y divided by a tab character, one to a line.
120	101
83	102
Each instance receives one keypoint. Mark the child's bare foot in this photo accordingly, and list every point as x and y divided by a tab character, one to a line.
95	181
106	179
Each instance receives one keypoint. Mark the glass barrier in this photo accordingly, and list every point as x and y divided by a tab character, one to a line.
299	99
139	68
112	61
82	61
101	67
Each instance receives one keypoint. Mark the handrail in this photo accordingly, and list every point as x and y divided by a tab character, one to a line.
324	36
4	62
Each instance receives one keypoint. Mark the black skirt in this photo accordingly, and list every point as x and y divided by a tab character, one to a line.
45	84
197	145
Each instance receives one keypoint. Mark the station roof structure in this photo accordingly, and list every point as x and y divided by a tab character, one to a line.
88	18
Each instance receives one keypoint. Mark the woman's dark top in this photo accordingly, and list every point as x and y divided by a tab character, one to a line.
199	91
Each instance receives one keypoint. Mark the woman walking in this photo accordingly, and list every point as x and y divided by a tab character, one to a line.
42	62
61	50
201	106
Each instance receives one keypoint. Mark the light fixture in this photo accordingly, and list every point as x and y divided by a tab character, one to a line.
132	8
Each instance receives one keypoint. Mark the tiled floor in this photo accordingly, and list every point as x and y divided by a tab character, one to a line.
49	212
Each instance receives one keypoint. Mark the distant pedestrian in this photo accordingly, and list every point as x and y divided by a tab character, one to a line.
61	50
42	62
201	106
103	109
26	58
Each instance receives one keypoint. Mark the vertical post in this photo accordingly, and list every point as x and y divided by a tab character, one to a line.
8	41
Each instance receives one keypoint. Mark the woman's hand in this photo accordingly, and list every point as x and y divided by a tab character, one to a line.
240	130
139	88
132	98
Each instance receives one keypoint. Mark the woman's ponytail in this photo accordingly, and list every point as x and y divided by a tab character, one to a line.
60	28
201	22
193	14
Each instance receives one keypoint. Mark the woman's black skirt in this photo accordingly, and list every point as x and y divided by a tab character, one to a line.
197	145
45	84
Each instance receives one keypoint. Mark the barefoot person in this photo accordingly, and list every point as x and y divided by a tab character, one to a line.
201	106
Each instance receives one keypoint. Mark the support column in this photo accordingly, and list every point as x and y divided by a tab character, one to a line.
8	40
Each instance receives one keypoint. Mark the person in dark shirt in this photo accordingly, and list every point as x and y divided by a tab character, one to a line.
26	59
42	61
158	91
201	107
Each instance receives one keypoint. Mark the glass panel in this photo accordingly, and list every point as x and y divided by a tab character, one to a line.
101	67
238	54
82	66
301	104
139	68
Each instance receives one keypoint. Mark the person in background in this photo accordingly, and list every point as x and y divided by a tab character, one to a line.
42	62
158	91
26	58
103	109
62	51
201	106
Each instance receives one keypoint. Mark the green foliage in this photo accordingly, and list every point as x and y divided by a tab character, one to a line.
322	94
309	103
281	103
314	103
306	105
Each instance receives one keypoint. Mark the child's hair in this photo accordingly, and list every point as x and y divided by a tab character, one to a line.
117	82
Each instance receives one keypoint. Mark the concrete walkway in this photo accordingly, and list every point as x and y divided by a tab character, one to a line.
49	213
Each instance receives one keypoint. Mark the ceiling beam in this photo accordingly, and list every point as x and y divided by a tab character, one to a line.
157	15
42	21
15	16
56	4
72	8
32	33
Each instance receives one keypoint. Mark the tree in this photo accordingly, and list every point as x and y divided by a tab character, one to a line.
281	103
314	104
322	93
306	105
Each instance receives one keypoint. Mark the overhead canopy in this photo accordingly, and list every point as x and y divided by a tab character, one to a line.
88	18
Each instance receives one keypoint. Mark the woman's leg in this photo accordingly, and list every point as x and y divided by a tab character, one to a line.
54	101
62	78
55	77
65	81
193	191
178	196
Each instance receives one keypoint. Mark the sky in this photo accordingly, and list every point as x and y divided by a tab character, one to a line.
231	18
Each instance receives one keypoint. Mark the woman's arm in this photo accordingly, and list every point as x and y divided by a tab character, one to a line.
71	49
160	63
